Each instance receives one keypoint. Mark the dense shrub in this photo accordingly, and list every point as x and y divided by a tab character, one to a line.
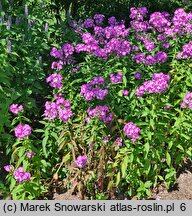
26	36
25	39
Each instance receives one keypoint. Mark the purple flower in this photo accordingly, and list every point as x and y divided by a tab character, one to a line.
61	108
16	108
50	110
58	65
166	45
158	84
30	154
93	90
137	75
187	101
116	78
68	50
88	119
186	51
56	53
112	21
149	46
125	92
138	13
89	23
8	168
150	60
132	131
55	80
64	113
22	131
21	176
181	23
118	141
139	26
159	21
102	113
99	19
161	57
139	57
81	161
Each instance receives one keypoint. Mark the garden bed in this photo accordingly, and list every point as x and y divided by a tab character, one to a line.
101	109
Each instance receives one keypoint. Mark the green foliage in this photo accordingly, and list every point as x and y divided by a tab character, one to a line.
81	9
24	58
133	168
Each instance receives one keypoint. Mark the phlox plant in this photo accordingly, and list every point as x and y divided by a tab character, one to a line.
24	159
119	116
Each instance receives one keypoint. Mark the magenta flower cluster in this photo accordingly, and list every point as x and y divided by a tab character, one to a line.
8	168
106	40
187	101
22	131
16	108
138	13
97	21
132	131
125	92
159	57
64	56
30	154
137	75
21	176
55	80
115	78
60	108
81	161
93	89
159	21
103	42
186	51
158	84
118	141
101	112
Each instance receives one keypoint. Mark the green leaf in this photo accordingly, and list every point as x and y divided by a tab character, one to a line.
124	166
21	159
146	147
152	123
148	184
180	147
66	157
170	144
13	183
189	153
147	166
110	185
161	178
170	174
124	81
44	142
185	136
118	179
168	159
